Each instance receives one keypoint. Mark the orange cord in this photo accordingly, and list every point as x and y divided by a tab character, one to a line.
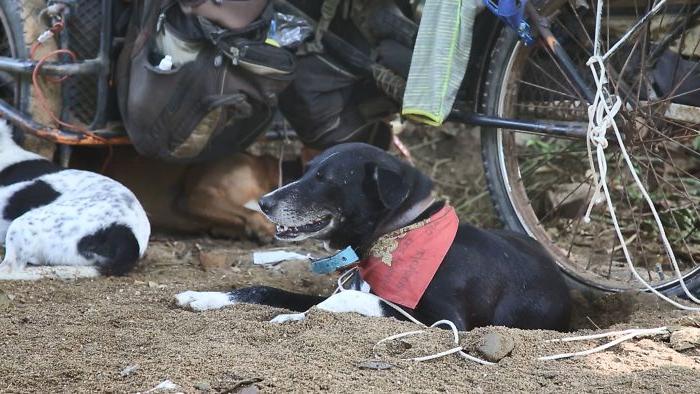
42	98
396	141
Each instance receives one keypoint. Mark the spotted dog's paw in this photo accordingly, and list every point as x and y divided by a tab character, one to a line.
287	317
199	301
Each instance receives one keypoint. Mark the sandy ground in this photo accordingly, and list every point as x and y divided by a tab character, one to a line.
126	335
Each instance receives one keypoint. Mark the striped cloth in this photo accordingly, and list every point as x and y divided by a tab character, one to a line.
440	59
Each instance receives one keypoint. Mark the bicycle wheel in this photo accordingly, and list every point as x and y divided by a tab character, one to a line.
20	27
542	185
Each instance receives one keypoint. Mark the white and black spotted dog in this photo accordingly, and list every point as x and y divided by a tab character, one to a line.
57	222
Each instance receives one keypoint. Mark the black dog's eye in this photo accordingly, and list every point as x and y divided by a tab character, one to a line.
325	178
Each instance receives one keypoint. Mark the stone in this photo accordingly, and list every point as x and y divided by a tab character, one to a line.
374	364
214	261
202	386
494	346
252	389
130	369
685	338
5	300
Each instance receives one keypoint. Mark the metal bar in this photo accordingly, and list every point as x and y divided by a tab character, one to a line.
103	55
560	54
572	130
64	151
21	66
634	28
663	45
28	125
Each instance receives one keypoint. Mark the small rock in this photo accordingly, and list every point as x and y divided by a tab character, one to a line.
235	385
5	300
685	338
494	346
213	261
252	389
152	284
374	364
202	386
690	321
166	385
549	374
130	369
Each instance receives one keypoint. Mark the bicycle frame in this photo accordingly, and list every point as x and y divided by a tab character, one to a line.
100	66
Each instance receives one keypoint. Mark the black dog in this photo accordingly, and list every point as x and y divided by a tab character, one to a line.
354	194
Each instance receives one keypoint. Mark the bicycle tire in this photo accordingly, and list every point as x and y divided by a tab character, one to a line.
498	174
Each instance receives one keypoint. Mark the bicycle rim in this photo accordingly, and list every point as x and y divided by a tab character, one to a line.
548	180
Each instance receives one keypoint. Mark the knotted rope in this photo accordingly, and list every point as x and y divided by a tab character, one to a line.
601	117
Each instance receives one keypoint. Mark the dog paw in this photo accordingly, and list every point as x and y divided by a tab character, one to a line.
199	301
261	238
287	317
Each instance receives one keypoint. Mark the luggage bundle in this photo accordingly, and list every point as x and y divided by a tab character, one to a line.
199	79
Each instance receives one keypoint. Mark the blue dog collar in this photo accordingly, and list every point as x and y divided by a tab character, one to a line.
333	263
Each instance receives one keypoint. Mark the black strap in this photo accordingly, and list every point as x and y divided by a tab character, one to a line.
219	35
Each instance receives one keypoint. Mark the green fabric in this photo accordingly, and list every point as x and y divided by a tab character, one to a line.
440	59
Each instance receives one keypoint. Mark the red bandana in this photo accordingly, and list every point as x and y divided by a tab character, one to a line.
402	263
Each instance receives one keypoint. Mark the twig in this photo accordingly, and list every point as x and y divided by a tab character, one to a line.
592	322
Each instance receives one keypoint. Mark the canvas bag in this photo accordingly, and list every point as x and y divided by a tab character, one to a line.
217	97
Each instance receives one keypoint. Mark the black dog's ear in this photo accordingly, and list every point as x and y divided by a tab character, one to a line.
391	187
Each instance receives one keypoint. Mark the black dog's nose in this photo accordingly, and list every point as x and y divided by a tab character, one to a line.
266	203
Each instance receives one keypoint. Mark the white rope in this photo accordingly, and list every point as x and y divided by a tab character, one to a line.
594	336
630	334
601	117
459	350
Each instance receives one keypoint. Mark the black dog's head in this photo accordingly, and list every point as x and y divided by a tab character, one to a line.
346	194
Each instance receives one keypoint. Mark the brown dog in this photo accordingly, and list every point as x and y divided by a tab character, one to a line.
217	197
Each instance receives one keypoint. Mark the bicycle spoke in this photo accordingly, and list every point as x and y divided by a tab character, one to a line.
671	213
534	85
665	137
574	38
551	179
568	80
638	230
580	22
545	73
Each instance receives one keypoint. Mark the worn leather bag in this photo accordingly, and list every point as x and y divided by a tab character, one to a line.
202	102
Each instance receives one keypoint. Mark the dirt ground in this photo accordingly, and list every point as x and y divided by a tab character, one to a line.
84	336
126	334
